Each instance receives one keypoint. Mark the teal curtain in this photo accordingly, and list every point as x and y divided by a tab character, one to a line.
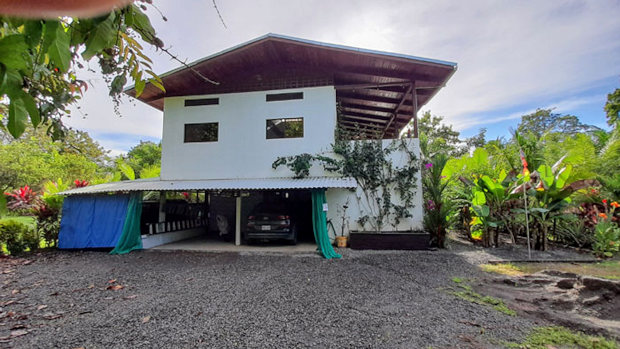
131	238
319	223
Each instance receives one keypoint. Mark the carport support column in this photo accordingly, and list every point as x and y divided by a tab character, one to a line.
162	203
238	221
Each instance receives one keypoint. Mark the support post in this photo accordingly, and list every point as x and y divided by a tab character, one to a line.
238	222
414	101
162	203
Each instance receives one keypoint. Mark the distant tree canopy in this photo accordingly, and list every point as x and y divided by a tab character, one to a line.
545	120
35	158
440	137
612	108
144	155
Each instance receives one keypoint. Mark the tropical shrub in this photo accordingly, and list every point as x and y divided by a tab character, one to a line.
437	207
607	232
17	237
21	200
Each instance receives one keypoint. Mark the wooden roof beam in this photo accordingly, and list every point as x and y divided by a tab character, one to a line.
411	89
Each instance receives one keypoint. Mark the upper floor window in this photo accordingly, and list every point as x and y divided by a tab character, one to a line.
285	128
201	101
205	132
273	97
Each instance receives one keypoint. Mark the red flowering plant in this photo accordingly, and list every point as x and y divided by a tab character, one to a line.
606	231
21	200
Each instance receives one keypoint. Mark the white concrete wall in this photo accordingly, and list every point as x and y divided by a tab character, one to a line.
357	205
242	150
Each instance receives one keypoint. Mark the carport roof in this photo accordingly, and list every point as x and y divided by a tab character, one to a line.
156	184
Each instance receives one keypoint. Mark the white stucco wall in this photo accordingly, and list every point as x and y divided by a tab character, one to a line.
357	206
242	150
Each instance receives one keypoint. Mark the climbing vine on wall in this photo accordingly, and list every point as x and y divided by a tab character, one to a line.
370	163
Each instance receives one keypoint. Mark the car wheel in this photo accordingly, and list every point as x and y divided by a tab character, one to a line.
293	240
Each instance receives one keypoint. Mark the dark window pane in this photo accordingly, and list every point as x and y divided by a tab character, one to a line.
284	96
285	128
201	101
201	132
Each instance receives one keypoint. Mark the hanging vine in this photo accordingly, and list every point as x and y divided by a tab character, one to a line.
369	162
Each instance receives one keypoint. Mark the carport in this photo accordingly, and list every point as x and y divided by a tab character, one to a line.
166	230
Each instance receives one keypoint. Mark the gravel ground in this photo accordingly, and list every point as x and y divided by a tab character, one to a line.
225	300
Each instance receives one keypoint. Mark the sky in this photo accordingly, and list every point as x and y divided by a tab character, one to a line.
513	56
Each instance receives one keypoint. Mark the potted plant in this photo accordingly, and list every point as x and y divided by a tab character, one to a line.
341	240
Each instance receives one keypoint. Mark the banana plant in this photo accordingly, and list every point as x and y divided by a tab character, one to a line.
489	205
551	192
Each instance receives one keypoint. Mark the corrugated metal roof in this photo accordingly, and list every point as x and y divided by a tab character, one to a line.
156	184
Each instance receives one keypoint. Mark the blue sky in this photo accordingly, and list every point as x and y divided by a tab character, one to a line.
513	56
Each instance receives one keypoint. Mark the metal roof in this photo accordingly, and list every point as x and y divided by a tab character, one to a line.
375	90
156	184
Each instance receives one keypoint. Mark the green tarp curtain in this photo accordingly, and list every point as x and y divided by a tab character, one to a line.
319	223
131	238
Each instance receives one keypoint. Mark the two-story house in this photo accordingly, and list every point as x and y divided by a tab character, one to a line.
229	116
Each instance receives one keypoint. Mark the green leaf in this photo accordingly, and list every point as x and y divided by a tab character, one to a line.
546	176
33	110
100	37
157	84
478	198
59	51
140	84
141	23
13	48
562	177
481	210
33	31
18	116
127	170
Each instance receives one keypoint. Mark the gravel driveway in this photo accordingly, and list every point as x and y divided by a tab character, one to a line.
225	300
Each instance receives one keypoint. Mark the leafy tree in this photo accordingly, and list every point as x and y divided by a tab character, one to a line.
144	155
612	108
39	61
545	120
439	137
35	158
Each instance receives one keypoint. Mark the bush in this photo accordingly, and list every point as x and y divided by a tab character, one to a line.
606	239
18	237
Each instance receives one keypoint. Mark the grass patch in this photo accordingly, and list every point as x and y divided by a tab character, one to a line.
27	220
504	269
607	269
561	337
465	292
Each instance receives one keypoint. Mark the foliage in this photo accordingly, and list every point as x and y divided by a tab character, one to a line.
545	120
39	60
437	137
17	236
369	162
607	232
41	159
561	337
145	155
437	207
551	192
612	108
21	199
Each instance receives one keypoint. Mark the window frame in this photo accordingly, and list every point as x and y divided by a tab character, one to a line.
300	118
217	132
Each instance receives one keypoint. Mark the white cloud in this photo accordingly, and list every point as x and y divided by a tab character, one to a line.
519	54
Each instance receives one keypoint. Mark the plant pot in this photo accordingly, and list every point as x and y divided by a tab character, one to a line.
406	240
341	241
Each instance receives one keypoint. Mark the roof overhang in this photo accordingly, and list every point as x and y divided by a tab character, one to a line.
374	89
156	184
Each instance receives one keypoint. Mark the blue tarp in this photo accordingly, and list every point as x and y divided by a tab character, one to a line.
92	221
